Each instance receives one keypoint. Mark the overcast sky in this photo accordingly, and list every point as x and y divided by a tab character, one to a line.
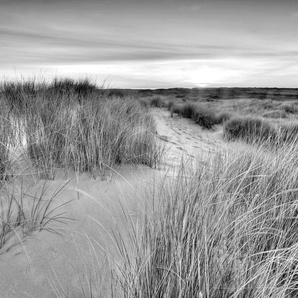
150	44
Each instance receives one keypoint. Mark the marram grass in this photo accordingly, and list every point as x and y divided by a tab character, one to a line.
74	126
226	229
67	125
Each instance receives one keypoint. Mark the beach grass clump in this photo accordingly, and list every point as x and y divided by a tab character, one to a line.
200	114
69	124
17	95
222	117
89	136
176	109
205	117
7	141
111	93
169	104
46	127
144	102
276	114
249	129
189	110
227	229
157	101
288	133
68	87
22	211
289	108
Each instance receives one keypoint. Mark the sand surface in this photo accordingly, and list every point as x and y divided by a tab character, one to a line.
45	264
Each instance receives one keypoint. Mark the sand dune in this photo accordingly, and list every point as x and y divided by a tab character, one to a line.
45	264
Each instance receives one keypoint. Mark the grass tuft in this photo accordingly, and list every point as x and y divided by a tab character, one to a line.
275	114
249	129
205	117
157	101
20	211
228	229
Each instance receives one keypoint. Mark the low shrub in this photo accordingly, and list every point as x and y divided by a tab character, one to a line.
145	103
223	117
275	114
188	110
205	117
290	108
16	95
7	137
249	129
116	93
176	109
157	101
266	104
169	104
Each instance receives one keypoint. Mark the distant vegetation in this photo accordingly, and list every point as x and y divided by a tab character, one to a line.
249	129
199	113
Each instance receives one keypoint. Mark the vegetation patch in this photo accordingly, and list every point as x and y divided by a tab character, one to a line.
275	114
220	231
205	117
73	125
169	104
188	110
222	117
289	133
290	108
157	101
249	129
176	109
22	212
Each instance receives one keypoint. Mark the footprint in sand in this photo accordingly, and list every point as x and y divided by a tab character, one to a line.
174	143
164	138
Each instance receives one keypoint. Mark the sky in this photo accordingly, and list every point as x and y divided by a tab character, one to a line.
152	44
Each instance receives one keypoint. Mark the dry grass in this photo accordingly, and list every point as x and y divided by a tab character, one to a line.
71	126
200	113
228	229
22	212
249	129
223	228
157	101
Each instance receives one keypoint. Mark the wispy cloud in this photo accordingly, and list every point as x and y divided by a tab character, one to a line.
164	43
59	46
190	7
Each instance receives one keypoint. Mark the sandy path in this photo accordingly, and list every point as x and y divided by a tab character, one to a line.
184	137
49	265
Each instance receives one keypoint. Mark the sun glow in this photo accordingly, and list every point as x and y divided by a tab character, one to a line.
188	73
210	75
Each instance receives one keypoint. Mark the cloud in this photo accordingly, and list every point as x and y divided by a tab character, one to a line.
158	41
190	7
51	47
